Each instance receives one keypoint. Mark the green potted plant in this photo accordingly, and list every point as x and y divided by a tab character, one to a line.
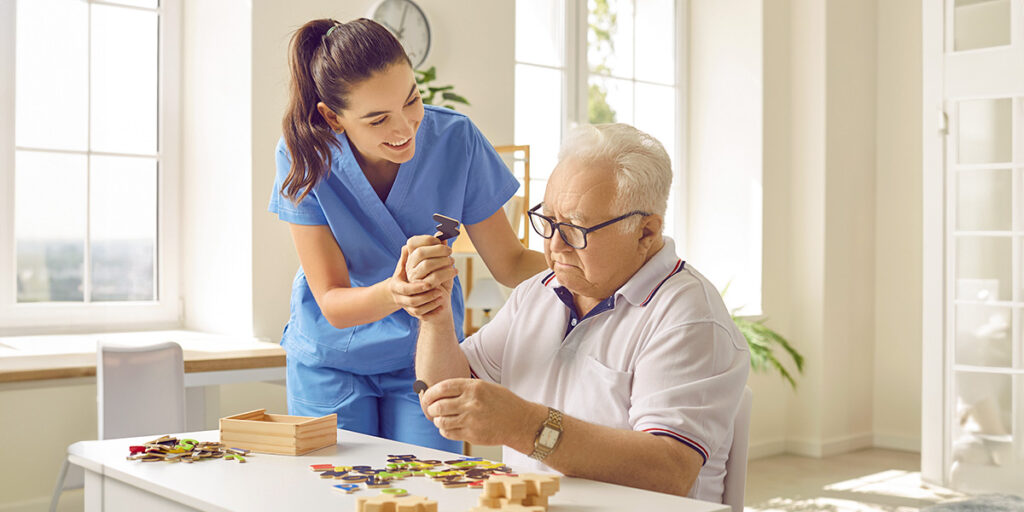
429	92
763	342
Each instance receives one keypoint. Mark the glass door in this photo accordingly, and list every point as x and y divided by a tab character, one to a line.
983	97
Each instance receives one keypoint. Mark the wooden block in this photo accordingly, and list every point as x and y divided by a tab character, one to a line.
536	501
389	503
529	490
509	508
541	484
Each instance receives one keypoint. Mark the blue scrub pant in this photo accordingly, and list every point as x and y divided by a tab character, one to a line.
382	405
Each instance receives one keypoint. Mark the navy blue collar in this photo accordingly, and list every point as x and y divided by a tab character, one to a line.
565	296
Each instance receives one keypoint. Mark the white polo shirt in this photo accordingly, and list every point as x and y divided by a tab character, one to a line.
661	355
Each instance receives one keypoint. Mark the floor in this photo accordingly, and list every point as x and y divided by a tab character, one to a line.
866	480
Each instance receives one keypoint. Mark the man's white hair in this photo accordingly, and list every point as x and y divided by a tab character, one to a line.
643	170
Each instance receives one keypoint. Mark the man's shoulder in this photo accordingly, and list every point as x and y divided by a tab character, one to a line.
690	297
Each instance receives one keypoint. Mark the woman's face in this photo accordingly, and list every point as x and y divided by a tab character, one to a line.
383	114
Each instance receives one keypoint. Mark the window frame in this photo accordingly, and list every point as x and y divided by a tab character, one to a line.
50	317
575	96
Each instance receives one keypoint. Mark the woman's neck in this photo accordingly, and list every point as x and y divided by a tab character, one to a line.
381	174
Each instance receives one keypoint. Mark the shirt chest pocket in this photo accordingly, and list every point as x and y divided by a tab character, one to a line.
600	394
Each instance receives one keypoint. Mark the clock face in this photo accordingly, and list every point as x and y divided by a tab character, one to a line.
407	22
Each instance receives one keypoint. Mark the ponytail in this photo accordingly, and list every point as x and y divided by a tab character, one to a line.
327	59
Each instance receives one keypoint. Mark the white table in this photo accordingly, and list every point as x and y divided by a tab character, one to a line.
281	482
29	362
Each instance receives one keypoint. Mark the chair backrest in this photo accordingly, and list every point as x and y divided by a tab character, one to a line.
736	465
140	390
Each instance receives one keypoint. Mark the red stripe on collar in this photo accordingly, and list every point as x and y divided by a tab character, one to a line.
675	270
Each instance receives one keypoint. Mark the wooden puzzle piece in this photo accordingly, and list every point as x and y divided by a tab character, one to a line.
389	503
447	227
528	490
538	484
509	508
511	488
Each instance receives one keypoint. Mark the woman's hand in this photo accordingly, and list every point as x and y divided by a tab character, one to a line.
423	278
430	260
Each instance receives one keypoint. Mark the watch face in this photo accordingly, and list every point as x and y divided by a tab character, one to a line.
407	22
548	437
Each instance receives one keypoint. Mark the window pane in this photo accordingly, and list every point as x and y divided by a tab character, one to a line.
986	258
610	37
656	114
51	70
49	225
124	80
539	116
985	131
984	333
538	122
981	24
655	42
540	32
610	100
148	4
984	200
123	228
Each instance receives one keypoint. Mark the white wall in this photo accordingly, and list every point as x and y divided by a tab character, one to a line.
729	145
897	361
842	224
216	161
725	122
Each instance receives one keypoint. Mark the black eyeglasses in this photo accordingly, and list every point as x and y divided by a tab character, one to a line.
573	235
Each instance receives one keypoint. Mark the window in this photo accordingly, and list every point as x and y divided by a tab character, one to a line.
602	61
586	61
87	163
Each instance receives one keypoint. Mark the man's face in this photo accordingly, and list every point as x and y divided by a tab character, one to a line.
583	193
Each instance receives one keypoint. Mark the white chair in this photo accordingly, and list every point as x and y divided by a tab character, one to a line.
736	465
140	390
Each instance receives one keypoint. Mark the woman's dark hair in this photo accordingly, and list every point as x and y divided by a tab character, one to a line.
327	59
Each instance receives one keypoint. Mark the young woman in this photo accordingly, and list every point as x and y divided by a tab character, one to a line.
361	168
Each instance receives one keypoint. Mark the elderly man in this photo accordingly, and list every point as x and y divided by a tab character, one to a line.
621	363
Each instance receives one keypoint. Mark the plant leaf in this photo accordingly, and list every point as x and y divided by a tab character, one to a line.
762	341
428	75
451	96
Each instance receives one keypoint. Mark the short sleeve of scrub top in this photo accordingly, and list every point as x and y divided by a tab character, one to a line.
455	172
307	211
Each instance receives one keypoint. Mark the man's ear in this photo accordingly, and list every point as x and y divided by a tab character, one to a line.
333	120
650	230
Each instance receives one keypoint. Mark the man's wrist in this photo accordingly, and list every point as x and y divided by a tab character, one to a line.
549	436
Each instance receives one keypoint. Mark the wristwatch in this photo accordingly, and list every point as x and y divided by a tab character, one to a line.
548	435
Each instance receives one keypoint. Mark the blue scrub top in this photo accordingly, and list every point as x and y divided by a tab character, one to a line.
455	172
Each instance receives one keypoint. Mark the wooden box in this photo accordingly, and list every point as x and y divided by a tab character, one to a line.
277	433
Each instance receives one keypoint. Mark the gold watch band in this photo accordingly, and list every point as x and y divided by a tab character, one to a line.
553	424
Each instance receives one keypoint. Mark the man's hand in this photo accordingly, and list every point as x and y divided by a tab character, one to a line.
419	298
482	413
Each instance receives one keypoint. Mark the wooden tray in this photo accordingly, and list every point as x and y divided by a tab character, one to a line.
277	433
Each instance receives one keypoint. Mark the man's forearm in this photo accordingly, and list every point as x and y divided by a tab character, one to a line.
624	457
438	356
